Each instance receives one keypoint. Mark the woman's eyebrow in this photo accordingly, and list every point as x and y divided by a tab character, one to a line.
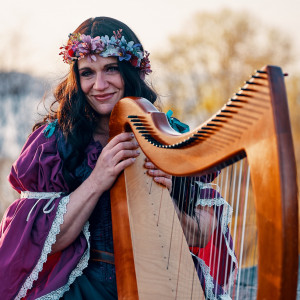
112	64
83	68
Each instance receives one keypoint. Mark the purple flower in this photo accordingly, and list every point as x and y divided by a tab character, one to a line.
123	54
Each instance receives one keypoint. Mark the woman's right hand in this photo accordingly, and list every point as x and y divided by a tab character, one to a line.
118	154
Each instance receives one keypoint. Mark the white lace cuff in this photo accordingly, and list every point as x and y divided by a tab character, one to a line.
50	240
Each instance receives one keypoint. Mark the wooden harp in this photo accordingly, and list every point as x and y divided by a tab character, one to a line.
253	124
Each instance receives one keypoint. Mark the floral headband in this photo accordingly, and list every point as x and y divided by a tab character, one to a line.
80	46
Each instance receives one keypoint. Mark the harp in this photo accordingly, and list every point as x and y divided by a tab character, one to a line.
253	124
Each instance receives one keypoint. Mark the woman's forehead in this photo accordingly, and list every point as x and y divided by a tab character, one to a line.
98	62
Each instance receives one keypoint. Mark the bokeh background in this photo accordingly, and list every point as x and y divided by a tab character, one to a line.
201	53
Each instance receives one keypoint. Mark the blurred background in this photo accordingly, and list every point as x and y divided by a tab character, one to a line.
201	54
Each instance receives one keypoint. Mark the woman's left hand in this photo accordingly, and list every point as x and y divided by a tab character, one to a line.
158	175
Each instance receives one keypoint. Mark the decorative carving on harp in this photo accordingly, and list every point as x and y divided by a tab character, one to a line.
152	256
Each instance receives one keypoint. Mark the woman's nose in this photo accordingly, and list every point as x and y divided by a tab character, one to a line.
101	82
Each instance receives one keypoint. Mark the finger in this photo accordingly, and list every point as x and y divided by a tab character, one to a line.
149	165
158	173
122	137
167	182
124	164
121	146
124	154
129	145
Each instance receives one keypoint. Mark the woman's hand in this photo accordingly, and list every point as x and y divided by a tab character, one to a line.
118	154
158	175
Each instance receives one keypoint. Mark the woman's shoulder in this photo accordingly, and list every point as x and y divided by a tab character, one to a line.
41	135
39	164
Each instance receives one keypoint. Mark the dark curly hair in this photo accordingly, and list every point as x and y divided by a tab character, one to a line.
76	118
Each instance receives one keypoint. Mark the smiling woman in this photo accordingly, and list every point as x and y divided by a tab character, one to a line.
102	84
66	169
56	240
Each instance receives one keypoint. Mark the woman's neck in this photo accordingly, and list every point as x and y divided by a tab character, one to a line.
101	132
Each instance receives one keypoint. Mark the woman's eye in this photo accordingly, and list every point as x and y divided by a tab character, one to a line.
112	69
85	73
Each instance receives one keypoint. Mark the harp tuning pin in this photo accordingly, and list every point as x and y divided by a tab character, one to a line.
261	72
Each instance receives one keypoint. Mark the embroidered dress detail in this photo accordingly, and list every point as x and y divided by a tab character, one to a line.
209	282
50	240
83	263
41	196
224	221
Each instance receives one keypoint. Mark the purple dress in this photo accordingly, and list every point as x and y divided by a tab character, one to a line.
30	225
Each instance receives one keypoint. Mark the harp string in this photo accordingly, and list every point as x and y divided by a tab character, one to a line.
190	228
236	203
221	240
237	207
233	185
217	232
248	273
246	242
243	227
231	200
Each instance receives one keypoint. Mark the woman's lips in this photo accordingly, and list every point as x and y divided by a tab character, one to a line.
103	97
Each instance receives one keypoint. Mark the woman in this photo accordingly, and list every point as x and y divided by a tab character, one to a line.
56	241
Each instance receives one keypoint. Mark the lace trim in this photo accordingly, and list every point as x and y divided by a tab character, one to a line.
233	274
207	185
227	210
83	263
41	196
50	240
224	221
209	283
224	297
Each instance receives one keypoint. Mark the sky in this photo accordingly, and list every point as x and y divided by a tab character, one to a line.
33	30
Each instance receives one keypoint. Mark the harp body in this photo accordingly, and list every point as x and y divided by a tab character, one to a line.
253	124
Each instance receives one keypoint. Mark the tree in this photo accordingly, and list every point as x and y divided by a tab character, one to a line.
209	59
20	94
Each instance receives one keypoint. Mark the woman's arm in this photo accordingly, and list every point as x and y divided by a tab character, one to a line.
118	154
198	229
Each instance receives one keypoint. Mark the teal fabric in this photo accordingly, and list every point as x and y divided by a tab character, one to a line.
176	124
87	288
49	130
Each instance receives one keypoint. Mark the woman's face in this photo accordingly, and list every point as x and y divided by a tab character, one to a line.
101	82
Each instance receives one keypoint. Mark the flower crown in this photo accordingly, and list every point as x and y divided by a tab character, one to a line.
81	45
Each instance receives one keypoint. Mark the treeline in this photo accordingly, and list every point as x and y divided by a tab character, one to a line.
20	96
